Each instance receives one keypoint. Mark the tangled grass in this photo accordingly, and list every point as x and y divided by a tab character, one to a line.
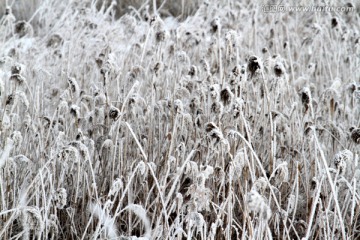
178	121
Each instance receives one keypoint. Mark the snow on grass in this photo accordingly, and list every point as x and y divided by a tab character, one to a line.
178	120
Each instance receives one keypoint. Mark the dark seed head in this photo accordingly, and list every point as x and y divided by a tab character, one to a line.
114	113
314	184
334	22
305	98
215	25
79	136
272	33
225	96
21	28
253	65
75	111
236	71
160	36
209	127
355	135
7	11
73	85
157	68
16	69
10	99
131	101
54	41
193	71
194	104
278	70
